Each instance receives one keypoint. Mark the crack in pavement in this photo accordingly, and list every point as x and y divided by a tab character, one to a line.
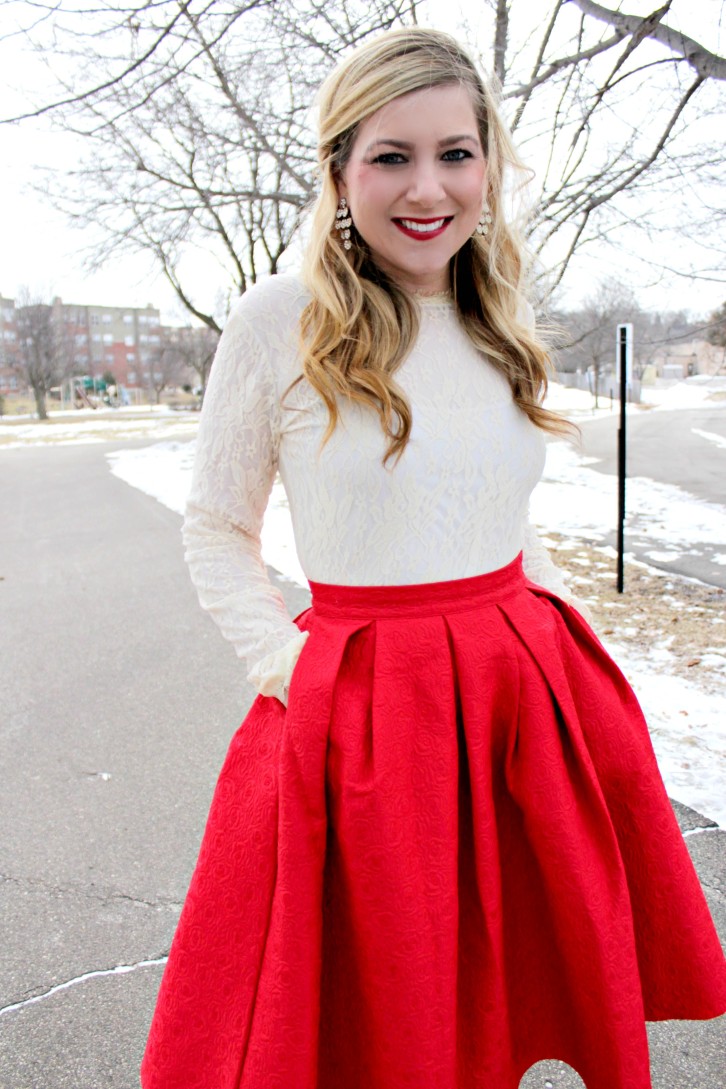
118	970
706	828
77	890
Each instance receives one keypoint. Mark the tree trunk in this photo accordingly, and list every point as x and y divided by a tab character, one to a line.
501	37
40	408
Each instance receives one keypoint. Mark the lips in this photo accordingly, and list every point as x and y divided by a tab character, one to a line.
422	229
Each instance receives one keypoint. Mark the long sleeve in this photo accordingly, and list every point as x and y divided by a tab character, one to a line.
235	466
538	567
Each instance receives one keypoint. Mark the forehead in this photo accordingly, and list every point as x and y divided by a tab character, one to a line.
427	116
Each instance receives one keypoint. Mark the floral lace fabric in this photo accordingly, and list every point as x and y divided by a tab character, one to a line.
454	506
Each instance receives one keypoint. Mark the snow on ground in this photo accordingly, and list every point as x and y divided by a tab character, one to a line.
89	413
576	402
699	391
662	520
718	440
687	727
164	471
65	429
696	392
687	722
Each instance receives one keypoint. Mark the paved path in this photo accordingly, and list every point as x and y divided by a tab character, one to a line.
686	448
117	701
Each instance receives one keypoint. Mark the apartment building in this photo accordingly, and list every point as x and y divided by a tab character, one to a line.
123	341
9	381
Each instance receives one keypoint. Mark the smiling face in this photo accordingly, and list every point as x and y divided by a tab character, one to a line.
415	182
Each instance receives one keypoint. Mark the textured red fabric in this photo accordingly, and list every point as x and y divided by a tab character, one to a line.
451	857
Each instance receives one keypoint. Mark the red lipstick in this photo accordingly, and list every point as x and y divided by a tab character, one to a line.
423	233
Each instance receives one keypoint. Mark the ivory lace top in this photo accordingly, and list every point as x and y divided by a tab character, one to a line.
455	504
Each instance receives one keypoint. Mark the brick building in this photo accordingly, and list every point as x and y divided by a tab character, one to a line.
9	381
124	341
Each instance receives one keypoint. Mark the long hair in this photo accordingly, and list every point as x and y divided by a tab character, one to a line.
360	325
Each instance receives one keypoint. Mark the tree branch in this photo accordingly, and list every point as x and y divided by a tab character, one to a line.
708	65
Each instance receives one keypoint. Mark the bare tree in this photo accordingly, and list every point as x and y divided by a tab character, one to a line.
195	114
163	369
189	350
196	347
607	105
592	328
43	358
654	332
198	143
716	333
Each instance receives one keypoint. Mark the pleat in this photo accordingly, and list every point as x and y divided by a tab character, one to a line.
564	873
675	938
283	1041
390	927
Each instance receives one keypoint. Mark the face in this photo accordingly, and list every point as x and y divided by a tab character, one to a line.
414	183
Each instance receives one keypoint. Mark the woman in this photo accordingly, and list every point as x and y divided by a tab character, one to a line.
440	849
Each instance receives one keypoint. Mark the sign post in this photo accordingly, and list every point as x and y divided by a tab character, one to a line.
625	375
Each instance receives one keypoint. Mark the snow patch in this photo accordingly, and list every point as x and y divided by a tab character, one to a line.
688	730
710	436
571	499
81	432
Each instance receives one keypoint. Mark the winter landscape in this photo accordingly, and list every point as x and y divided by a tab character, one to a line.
667	632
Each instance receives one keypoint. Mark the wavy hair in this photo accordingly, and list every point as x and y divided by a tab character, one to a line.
360	325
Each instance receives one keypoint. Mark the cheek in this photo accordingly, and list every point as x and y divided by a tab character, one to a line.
476	182
369	189
471	196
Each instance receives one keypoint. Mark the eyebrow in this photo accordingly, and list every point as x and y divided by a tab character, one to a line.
404	145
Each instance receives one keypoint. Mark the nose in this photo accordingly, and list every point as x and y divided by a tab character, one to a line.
426	186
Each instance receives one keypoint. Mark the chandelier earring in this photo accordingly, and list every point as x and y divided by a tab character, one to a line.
485	220
343	223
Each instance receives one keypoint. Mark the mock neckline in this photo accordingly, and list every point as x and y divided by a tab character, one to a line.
440	298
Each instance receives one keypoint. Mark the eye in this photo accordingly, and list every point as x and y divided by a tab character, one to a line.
456	155
389	158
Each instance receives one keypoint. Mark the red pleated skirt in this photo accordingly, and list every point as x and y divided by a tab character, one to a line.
451	856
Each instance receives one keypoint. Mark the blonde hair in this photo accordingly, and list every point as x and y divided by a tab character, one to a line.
360	324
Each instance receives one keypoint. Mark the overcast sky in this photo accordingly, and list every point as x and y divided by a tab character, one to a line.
40	250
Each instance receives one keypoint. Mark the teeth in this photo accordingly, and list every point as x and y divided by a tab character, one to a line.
423	228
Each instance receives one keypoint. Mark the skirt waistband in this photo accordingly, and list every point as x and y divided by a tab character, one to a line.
418	599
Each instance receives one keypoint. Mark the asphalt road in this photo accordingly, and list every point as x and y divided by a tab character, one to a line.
686	448
666	446
117	701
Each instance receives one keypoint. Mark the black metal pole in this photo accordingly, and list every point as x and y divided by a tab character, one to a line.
623	363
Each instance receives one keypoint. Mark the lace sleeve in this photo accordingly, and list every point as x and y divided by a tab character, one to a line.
235	465
538	567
